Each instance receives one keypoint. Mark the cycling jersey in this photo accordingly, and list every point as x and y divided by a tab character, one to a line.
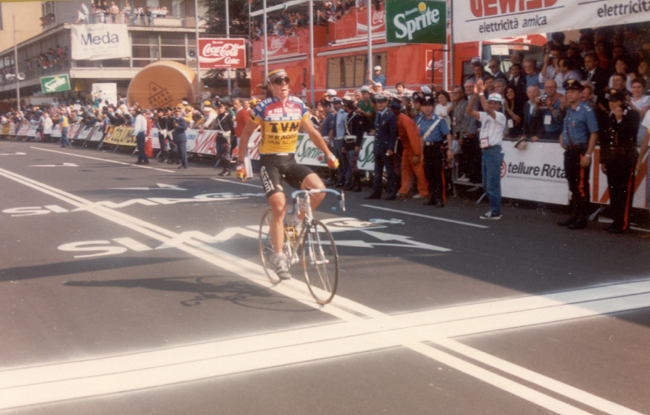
279	124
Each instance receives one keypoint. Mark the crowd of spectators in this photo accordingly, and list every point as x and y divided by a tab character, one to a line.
287	22
105	13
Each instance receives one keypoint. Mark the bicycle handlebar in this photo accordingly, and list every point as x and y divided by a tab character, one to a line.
295	194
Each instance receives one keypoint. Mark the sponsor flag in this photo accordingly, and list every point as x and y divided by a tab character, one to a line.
100	41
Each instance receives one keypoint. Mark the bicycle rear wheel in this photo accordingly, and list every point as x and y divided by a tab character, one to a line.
320	262
266	247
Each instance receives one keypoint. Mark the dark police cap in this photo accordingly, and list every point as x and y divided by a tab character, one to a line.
427	99
381	98
347	101
394	105
335	100
615	95
573	84
417	97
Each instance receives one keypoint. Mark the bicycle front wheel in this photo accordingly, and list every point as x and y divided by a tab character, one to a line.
266	247
320	262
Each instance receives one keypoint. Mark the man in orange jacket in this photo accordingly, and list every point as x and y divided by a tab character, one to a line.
407	132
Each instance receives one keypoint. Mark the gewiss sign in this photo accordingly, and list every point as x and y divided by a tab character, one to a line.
491	19
222	53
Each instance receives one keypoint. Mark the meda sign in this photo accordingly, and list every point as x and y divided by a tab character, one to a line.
99	41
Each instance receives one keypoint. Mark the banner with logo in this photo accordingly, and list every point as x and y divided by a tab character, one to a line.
490	19
58	83
416	21
120	136
5	129
536	173
222	53
100	41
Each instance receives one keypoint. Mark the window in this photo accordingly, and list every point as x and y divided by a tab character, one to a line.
350	71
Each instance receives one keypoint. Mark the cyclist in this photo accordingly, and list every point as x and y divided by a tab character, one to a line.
280	117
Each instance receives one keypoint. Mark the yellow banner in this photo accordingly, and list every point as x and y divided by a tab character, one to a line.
5	129
120	136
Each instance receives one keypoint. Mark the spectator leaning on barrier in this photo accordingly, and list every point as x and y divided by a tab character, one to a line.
578	139
493	124
533	119
618	157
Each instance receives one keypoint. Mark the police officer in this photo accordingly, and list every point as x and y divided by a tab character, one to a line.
578	139
434	132
385	136
355	127
179	126
225	126
618	156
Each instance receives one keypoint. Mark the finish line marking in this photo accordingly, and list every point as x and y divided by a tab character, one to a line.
355	334
427	216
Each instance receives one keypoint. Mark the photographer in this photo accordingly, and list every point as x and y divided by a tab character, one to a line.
550	106
225	127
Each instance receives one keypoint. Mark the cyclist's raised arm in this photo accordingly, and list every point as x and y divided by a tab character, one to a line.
249	129
315	137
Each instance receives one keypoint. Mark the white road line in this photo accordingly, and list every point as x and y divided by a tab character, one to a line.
427	216
541	380
99	376
101	159
237	182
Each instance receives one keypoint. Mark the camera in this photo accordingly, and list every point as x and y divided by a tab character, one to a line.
543	97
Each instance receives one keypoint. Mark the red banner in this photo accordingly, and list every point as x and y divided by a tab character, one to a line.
222	53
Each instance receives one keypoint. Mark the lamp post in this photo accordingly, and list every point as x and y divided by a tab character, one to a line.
198	53
13	13
228	37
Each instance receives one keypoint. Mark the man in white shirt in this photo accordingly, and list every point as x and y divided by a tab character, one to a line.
139	132
493	124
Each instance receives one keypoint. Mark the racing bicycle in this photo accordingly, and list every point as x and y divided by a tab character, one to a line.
312	243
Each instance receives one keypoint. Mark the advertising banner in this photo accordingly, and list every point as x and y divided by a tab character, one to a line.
97	135
307	153
222	53
23	130
536	173
58	83
206	142
476	20
5	129
416	21
56	131
120	136
600	191
100	41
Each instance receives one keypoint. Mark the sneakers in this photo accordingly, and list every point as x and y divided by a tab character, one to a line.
280	266
491	216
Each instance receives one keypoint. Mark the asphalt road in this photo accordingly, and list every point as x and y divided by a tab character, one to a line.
138	290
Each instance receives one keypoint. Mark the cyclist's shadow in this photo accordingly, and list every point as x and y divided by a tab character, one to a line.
236	292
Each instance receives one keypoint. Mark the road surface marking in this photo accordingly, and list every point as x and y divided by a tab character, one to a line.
55	165
160	186
356	333
237	182
101	159
427	216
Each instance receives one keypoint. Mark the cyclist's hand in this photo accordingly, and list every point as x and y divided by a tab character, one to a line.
332	162
240	172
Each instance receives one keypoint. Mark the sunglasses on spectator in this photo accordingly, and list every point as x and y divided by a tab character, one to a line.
278	81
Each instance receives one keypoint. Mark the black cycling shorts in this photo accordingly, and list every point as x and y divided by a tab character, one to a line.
276	168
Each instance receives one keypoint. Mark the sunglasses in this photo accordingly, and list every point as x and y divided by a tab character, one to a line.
278	81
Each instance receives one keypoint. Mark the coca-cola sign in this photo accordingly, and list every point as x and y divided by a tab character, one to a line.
222	53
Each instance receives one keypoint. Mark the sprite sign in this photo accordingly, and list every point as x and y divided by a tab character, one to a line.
58	83
416	21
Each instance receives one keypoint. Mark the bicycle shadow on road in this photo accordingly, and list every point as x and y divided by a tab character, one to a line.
237	292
